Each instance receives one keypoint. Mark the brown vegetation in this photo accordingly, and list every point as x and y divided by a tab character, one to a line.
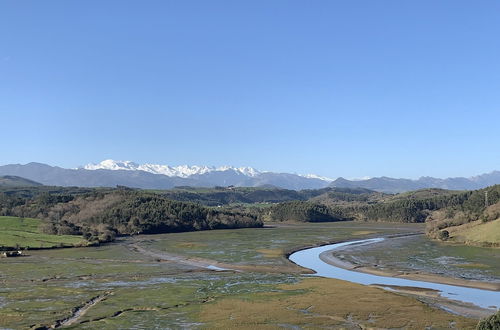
315	303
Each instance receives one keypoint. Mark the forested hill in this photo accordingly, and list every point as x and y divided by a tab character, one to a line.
475	221
103	214
216	196
248	195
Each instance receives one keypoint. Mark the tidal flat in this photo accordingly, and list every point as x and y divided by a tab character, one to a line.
418	253
119	286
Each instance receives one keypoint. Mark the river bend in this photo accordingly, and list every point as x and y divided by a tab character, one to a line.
310	258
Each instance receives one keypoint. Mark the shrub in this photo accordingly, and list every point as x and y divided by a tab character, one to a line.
490	323
48	228
444	235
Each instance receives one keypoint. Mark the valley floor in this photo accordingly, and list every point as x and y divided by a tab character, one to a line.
224	278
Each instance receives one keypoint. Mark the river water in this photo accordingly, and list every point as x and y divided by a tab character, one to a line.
309	258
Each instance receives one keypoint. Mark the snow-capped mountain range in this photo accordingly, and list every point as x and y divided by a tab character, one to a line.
110	173
182	171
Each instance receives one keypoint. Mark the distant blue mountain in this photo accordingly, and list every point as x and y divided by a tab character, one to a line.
391	185
128	174
57	176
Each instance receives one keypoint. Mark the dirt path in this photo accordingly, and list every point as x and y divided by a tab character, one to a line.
78	312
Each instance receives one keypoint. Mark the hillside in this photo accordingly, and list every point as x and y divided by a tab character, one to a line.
476	221
249	195
24	233
17	181
301	211
477	233
348	197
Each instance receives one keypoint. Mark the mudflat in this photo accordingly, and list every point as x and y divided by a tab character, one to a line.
329	258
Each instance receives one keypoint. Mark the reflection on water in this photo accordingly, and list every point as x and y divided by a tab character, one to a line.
309	258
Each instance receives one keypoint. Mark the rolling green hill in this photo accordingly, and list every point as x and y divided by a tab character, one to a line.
25	232
477	233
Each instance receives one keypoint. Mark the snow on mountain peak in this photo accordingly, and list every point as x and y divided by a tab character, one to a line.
182	171
110	164
314	176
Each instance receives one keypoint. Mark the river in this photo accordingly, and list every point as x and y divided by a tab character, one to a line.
310	258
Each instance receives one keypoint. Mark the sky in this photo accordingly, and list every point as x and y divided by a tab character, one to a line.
336	88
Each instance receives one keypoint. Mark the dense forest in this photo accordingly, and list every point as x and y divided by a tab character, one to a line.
303	212
439	208
409	207
241	195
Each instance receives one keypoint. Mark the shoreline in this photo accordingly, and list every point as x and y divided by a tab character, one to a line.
429	296
330	259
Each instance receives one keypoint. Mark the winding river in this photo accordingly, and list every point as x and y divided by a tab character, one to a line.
310	258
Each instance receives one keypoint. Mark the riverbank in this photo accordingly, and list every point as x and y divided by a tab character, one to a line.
471	299
330	259
431	297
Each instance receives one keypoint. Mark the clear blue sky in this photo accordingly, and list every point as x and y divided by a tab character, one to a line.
337	88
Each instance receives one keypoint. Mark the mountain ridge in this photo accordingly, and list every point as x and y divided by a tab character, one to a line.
98	177
182	171
392	185
17	181
110	173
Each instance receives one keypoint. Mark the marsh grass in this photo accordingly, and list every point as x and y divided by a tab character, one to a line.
316	303
254	246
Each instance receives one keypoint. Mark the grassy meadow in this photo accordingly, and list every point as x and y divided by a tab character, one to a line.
477	233
25	233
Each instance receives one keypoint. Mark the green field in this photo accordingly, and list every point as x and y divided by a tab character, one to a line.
482	233
24	232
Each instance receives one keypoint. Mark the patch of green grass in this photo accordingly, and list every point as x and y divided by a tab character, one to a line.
24	232
488	232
